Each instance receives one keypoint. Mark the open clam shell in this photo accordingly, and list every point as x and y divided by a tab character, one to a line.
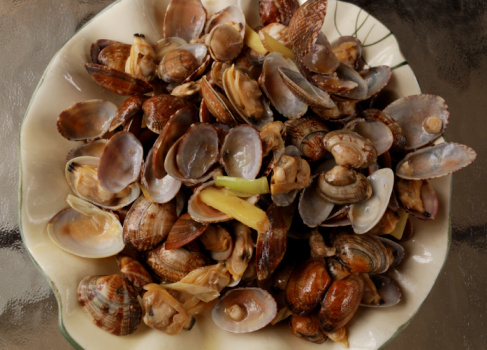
86	120
86	230
366	214
243	310
241	153
423	118
81	175
435	161
120	162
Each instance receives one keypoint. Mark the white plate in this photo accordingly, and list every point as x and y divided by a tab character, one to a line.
43	189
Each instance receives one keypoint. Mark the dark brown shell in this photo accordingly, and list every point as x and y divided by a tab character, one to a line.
308	327
280	11
184	230
116	81
111	302
341	302
127	110
307	285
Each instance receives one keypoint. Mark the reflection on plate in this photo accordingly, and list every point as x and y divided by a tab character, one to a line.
44	189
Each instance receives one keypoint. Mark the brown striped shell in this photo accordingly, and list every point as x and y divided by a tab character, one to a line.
111	302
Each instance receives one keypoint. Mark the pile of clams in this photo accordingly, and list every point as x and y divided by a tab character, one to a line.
166	181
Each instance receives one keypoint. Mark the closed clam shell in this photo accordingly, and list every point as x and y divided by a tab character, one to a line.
363	253
366	214
148	223
435	161
159	109
225	42
308	327
307	135
120	162
217	104
307	285
243	310
114	55
341	302
86	230
241	152
423	118
184	19
86	120
111	302
116	81
172	265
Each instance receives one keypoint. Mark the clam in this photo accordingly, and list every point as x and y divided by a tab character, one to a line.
342	185
423	118
377	132
243	250
194	154
399	140
232	15
127	110
141	61
418	197
243	310
82	176
277	11
120	163
184	231
116	81
172	265
311	48
348	50
174	128
165	45
241	152
360	91
247	99
271	244
225	42
86	230
182	63
111	302
86	120
313	208
308	327
217	104
162	311
380	291
184	19
365	215
134	272
363	253
91	149
159	190
376	79
112	54
307	285
341	302
148	223
159	109
218	241
350	149
307	134
281	97
435	161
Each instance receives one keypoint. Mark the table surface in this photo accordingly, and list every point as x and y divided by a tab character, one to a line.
444	41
